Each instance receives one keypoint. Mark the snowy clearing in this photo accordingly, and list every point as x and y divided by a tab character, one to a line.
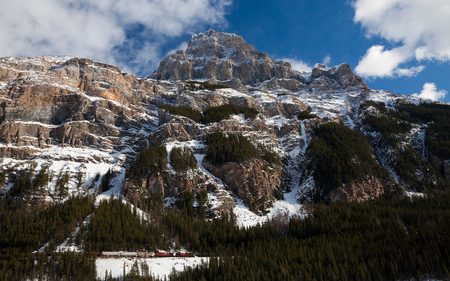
159	267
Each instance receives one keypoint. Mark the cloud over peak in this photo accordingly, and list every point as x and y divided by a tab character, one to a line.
96	28
417	28
430	91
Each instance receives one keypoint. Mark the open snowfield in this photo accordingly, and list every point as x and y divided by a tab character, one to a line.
159	267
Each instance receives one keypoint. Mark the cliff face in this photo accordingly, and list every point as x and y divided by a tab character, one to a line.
87	119
72	115
253	182
76	102
359	191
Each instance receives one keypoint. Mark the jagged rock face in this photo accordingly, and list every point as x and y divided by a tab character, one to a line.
169	184
359	191
253	182
288	84
222	56
72	114
342	74
165	184
68	101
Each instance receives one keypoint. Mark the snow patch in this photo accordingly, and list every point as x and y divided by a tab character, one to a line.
158	267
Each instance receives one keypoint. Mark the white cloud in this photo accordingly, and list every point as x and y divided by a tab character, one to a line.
94	28
378	62
418	28
327	60
183	46
430	91
298	65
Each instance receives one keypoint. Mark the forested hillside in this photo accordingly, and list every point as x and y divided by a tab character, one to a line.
395	237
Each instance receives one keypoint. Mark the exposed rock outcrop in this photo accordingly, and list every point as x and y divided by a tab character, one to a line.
48	101
222	56
442	166
226	59
342	74
358	191
253	182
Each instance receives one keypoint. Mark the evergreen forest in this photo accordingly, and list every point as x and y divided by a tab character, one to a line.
393	238
343	151
211	114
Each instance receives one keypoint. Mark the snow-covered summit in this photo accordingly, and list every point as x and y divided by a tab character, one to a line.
214	40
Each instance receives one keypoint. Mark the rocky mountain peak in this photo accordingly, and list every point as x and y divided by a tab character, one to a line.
221	56
342	74
218	44
227	59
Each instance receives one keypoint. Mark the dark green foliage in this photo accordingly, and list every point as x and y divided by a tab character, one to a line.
25	183
62	266
426	112
182	159
393	239
42	178
410	166
217	113
25	230
389	124
269	156
79	179
438	139
151	160
306	114
183	111
378	105
231	148
105	181
62	182
196	85
339	156
139	272
438	130
212	114
114	226
416	172
2	178
386	125
399	114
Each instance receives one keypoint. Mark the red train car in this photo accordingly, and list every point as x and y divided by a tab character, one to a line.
159	254
185	255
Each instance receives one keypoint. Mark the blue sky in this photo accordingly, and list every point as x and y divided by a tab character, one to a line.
398	45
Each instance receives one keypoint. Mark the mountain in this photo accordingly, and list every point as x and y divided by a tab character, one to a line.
222	57
221	117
